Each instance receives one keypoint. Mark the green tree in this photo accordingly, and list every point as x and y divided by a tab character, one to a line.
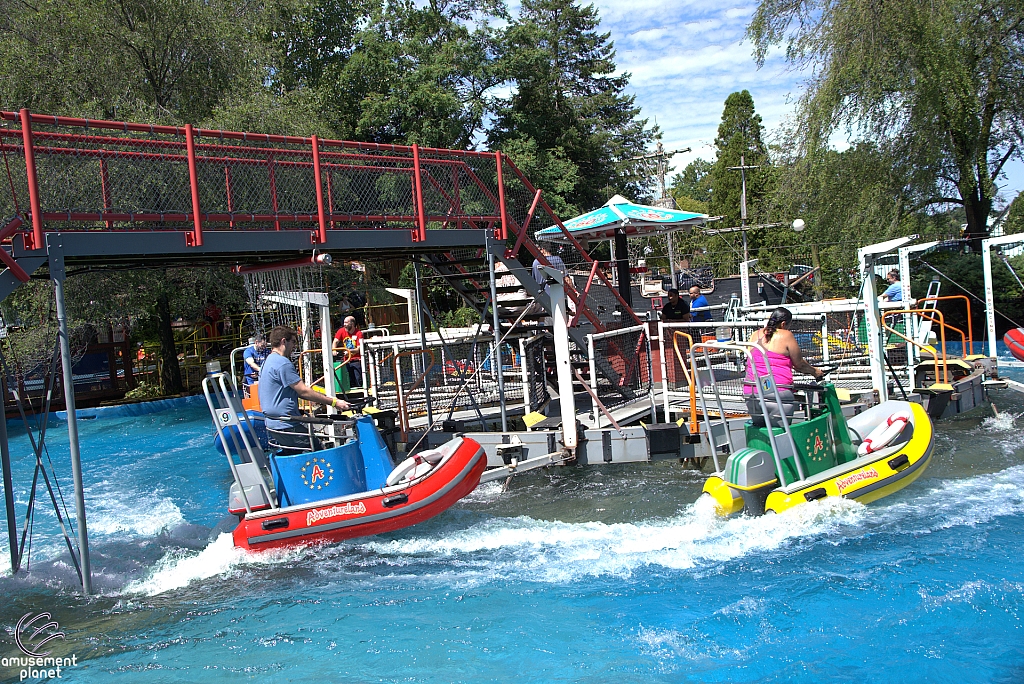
847	199
172	61
395	71
740	137
1013	222
691	189
567	99
142	300
936	84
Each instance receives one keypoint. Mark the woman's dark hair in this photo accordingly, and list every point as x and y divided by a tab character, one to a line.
778	317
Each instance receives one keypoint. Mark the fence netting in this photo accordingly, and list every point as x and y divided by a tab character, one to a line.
622	364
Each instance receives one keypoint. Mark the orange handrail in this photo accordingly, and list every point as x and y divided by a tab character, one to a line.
689	379
970	329
302	355
942	332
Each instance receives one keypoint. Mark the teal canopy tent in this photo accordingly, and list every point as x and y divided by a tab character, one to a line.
619	213
618	219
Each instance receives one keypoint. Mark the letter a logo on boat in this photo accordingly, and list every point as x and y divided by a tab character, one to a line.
317	469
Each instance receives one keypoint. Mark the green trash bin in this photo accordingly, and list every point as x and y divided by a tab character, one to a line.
342	382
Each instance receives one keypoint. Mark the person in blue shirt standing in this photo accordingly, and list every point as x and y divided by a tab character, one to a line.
280	389
253	357
698	302
893	293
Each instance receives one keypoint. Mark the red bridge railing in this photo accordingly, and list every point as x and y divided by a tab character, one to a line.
89	174
68	173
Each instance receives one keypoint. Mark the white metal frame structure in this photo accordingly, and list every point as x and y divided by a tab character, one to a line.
876	347
986	258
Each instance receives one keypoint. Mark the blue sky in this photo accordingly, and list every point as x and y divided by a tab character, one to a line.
687	56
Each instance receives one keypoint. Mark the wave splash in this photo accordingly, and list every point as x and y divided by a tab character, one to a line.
557	552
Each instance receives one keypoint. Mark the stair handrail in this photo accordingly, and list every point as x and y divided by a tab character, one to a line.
942	331
686	373
531	247
970	328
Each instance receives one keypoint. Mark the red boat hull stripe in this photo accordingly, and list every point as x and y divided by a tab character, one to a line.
403	511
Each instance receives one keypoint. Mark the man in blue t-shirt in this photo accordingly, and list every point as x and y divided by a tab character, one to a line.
280	390
253	357
697	301
893	293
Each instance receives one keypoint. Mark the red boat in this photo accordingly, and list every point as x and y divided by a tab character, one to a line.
318	495
386	509
1014	341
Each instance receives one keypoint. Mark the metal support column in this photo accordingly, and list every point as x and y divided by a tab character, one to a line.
496	361
307	342
745	281
5	463
671	260
876	345
423	343
563	365
990	304
876	348
622	266
57	274
327	357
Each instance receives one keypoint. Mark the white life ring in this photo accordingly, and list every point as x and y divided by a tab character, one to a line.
414	467
884	433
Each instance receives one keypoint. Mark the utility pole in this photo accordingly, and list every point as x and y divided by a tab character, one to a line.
742	168
661	157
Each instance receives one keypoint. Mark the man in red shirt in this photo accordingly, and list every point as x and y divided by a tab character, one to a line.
349	336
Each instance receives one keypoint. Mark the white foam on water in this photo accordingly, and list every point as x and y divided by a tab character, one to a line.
486	493
1002	422
667	645
112	515
969	501
561	552
178	568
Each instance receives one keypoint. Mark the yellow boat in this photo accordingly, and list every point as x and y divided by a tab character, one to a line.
815	454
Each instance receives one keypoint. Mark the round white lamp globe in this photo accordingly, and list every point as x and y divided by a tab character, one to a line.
798	225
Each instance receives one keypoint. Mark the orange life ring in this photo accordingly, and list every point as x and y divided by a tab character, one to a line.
414	467
884	434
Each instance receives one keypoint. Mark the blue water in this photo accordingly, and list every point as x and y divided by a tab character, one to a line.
605	574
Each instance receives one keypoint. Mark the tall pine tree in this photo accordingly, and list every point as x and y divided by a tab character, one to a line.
568	110
740	136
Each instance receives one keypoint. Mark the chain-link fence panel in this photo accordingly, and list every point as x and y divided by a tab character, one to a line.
621	366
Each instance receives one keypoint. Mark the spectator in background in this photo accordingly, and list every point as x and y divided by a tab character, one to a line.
675	310
893	293
253	358
349	337
698	301
554	260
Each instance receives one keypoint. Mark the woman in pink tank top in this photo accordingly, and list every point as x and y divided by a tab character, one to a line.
783	356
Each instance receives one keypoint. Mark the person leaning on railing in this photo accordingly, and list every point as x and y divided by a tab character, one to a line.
784	355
